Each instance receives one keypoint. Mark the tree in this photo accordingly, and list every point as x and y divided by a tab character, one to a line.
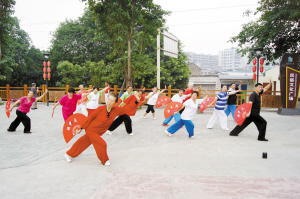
128	25
75	41
277	30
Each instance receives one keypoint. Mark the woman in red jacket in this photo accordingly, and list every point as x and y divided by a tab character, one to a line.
96	125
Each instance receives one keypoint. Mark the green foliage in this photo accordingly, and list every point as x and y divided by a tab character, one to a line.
129	27
277	30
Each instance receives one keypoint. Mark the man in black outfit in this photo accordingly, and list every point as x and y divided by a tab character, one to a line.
253	115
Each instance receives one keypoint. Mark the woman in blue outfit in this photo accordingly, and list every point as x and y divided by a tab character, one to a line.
190	107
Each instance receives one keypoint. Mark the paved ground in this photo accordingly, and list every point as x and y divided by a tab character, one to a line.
150	164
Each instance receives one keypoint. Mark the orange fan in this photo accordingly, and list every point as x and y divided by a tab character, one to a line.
241	112
171	108
73	123
163	101
83	99
7	107
205	104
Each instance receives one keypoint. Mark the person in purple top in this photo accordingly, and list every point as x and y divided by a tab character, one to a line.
69	102
24	108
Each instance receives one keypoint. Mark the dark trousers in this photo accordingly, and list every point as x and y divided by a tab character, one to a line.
150	108
259	122
21	117
122	118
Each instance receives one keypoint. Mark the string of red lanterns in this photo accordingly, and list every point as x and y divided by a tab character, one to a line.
46	70
261	68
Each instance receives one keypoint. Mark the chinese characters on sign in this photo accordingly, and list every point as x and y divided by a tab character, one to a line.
292	87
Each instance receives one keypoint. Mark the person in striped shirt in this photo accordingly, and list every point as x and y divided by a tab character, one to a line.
219	113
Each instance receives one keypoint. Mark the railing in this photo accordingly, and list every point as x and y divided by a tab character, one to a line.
55	93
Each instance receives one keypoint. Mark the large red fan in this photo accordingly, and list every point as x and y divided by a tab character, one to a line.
163	101
7	107
73	123
205	104
83	99
172	108
241	112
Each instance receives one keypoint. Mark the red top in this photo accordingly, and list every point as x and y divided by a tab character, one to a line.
187	92
25	105
69	105
107	89
131	100
100	120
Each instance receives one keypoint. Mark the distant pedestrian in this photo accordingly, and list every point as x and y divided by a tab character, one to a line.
35	91
231	102
254	114
24	108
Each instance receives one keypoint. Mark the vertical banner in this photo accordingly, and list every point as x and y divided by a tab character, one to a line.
289	67
292	87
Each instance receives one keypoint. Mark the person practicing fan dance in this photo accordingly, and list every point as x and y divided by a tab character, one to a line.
221	100
152	101
69	102
82	106
176	98
190	107
254	114
231	102
126	117
24	108
96	125
93	102
107	92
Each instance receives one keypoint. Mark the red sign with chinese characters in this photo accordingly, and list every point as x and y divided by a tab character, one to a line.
292	87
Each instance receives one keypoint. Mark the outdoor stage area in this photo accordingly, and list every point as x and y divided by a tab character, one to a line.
151	164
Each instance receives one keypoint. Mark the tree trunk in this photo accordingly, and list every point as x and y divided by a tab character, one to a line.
122	88
0	50
129	77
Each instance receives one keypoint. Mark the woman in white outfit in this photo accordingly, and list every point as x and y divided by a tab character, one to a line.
152	101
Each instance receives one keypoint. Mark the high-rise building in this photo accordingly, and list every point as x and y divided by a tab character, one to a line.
230	59
203	61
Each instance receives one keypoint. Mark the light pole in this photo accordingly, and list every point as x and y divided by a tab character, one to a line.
47	71
258	56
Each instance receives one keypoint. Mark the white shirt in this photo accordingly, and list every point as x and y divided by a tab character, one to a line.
177	98
152	100
190	109
93	102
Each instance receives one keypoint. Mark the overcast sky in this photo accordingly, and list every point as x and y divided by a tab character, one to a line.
202	26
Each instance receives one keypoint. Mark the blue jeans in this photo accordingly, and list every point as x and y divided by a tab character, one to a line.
189	125
230	109
176	118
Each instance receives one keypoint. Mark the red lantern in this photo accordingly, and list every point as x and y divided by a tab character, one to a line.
261	69
49	76
44	70
44	76
48	64
254	61
44	63
261	61
254	69
254	76
49	70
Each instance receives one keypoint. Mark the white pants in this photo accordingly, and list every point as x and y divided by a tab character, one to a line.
82	108
222	117
106	97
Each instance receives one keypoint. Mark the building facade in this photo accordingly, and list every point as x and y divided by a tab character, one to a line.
230	60
205	62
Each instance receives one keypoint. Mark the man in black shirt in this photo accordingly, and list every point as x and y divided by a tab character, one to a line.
253	115
232	100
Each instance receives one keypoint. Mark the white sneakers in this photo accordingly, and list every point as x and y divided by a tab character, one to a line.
167	133
131	134
192	137
154	118
226	129
68	158
107	163
108	132
144	117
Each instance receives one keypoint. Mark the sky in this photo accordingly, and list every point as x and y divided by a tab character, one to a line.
202	26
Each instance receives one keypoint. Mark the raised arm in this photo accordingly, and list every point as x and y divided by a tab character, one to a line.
103	90
39	98
15	104
162	90
206	96
148	96
268	86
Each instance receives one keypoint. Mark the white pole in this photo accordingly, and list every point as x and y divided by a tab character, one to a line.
158	59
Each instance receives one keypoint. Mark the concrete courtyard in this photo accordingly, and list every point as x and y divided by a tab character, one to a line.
151	164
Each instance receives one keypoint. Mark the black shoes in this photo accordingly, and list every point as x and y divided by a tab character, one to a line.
27	132
233	135
11	130
263	140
